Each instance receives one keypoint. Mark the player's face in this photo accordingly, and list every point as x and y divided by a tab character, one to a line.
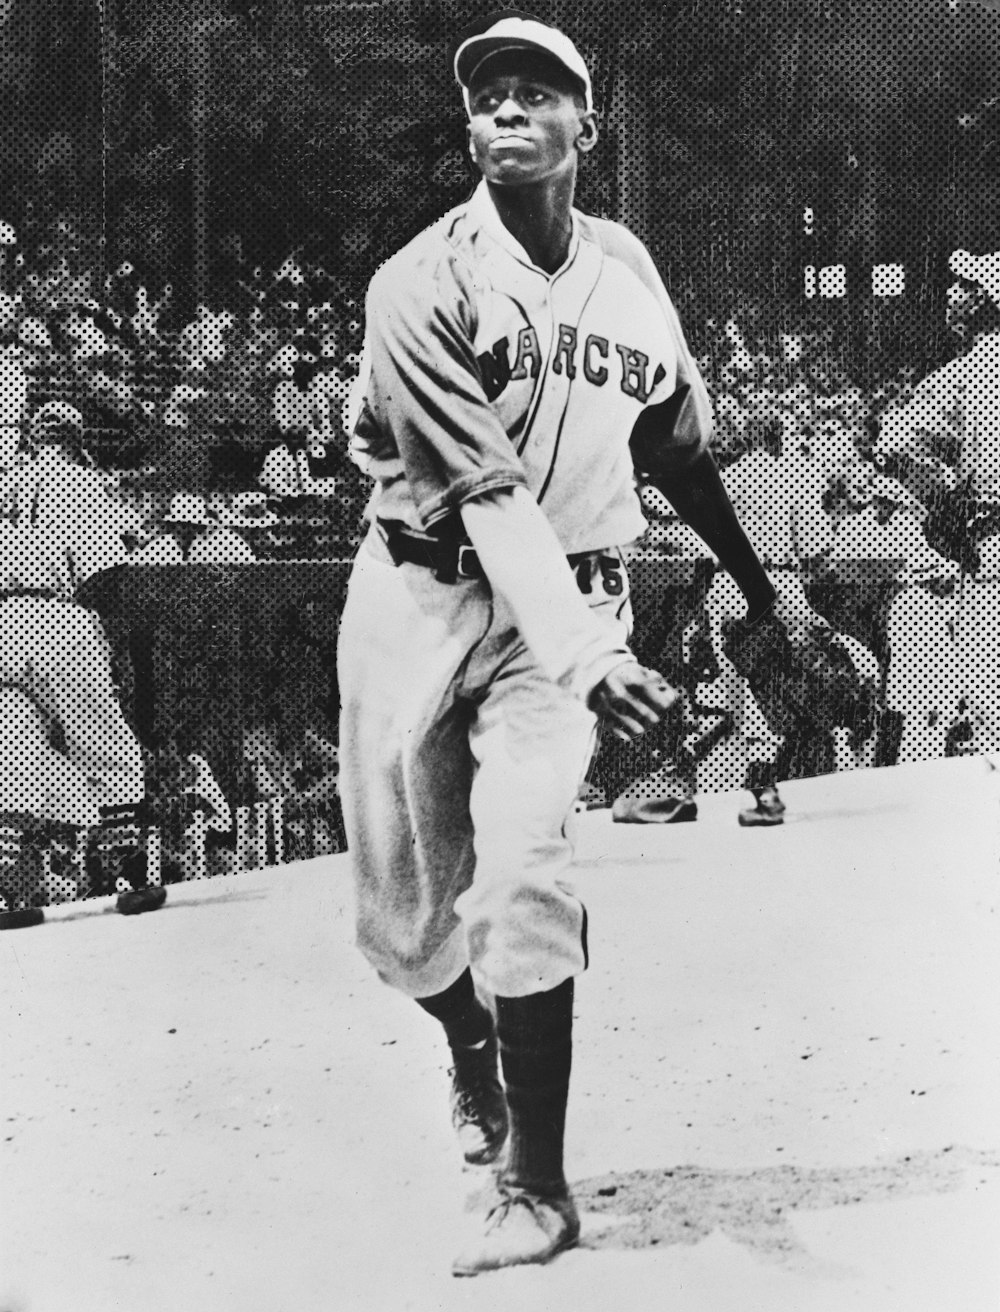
526	121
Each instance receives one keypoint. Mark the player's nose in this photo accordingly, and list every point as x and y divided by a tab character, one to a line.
509	111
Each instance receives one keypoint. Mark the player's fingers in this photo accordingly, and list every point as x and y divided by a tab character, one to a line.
634	716
639	704
623	714
626	726
647	710
633	697
656	694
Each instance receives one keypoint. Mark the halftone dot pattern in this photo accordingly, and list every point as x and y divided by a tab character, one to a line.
196	195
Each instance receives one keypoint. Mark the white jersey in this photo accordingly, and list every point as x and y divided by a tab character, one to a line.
58	526
779	503
955	416
481	371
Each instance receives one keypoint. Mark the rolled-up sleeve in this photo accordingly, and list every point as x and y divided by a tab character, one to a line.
423	396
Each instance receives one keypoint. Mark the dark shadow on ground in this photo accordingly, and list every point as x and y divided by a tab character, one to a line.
755	1208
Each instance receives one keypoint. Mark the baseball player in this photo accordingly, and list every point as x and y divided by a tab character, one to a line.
58	529
521	359
944	445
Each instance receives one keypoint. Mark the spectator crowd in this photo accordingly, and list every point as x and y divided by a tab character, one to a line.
229	399
221	431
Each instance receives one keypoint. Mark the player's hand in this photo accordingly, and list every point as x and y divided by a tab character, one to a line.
802	624
941	580
632	699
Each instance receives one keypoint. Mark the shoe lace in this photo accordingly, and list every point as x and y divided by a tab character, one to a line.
510	1198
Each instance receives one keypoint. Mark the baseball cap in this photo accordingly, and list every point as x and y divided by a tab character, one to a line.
514	33
56	417
981	269
187	508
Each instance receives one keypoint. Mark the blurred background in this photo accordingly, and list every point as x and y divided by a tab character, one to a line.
196	193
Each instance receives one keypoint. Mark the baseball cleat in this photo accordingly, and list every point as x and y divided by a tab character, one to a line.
478	1103
521	1228
668	810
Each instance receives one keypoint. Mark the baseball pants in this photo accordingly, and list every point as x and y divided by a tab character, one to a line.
460	766
54	659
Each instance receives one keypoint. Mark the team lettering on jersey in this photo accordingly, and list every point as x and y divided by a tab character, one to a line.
592	359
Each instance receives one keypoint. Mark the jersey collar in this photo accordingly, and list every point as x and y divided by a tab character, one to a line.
484	212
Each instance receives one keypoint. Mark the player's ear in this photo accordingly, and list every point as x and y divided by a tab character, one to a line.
586	138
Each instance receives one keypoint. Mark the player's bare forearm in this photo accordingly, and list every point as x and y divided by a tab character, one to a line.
524	563
699	496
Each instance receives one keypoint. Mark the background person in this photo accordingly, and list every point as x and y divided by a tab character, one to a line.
59	531
229	539
186	517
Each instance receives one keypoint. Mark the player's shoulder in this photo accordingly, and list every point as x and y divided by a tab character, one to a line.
437	257
620	244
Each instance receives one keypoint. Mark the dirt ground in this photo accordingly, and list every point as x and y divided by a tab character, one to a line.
786	1092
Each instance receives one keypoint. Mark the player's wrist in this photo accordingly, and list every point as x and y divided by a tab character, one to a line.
760	606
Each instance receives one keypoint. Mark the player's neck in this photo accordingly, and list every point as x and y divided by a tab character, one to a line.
540	218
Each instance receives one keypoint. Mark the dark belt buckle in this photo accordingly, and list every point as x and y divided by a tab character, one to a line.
468	564
391	541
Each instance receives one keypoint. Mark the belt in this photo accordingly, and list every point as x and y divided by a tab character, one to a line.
449	558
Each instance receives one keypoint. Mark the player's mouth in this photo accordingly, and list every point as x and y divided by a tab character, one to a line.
509	140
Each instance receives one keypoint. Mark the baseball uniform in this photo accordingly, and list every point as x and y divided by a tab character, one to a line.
465	733
58	527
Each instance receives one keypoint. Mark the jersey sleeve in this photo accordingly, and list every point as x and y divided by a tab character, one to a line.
421	396
677	423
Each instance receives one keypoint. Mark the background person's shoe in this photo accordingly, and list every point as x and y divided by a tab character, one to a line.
520	1228
769	809
478	1103
654	810
21	893
660	798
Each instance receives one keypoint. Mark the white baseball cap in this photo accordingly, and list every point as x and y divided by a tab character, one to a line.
981	269
187	508
521	34
54	418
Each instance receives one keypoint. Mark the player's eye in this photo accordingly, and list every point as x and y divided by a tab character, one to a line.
485	102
